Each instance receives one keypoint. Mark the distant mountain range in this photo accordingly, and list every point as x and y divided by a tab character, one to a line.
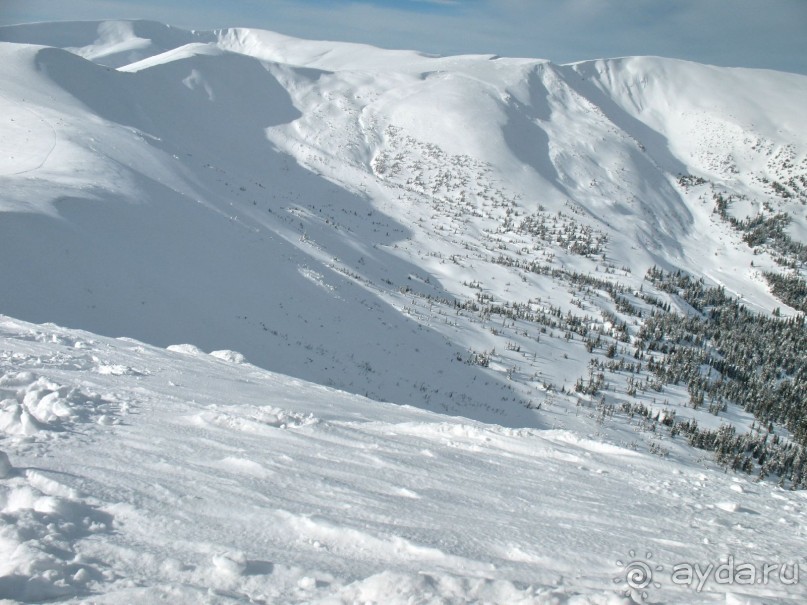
386	222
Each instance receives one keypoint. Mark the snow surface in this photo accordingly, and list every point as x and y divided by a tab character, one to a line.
317	209
145	475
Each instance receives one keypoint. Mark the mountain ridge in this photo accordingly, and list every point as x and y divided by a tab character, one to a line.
519	330
403	176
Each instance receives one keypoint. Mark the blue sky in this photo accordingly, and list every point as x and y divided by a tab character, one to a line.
744	33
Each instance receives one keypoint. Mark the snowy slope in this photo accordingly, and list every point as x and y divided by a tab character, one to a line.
336	212
340	213
399	226
166	249
140	474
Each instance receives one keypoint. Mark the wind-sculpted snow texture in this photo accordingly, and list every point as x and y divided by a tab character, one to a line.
465	235
173	475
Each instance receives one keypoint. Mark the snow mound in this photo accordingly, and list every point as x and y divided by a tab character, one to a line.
39	404
253	419
186	349
227	355
116	370
230	564
729	507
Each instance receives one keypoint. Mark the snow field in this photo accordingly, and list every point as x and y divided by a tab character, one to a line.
227	483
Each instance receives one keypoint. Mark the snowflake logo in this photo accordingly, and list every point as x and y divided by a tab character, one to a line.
637	574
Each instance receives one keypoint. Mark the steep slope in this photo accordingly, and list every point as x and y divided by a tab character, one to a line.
137	474
160	242
743	132
468	234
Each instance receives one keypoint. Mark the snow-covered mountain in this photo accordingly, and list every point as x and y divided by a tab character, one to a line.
467	235
276	196
140	475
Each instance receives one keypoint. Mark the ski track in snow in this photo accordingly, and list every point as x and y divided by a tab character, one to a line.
31	136
194	478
